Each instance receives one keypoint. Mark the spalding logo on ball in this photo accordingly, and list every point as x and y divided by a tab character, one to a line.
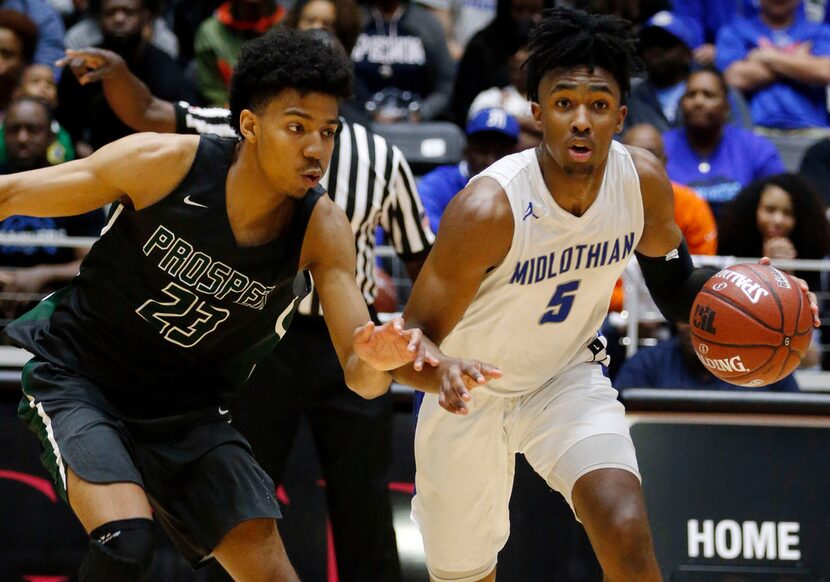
751	325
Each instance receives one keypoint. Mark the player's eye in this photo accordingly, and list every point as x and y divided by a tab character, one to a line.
329	132
295	128
562	103
601	105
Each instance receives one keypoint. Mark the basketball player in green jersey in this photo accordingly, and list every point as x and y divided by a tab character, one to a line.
196	276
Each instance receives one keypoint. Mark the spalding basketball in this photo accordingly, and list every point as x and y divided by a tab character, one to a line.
751	325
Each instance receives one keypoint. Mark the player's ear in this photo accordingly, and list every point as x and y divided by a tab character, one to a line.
248	125
622	113
536	111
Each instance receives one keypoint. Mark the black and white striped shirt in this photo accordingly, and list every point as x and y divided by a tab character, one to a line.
368	178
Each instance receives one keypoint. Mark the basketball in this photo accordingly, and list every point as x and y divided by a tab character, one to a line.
751	325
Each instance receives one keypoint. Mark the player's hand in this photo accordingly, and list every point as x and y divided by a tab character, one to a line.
93	64
458	377
390	346
811	297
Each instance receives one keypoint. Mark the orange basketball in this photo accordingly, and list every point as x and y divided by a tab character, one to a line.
751	325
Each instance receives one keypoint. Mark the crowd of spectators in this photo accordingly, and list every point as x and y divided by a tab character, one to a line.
722	82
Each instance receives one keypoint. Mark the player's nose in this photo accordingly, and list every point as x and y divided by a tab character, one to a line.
581	122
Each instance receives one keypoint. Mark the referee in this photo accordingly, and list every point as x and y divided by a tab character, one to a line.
371	180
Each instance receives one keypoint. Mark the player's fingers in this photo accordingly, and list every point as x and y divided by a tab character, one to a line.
453	386
764	261
414	336
814	308
364	332
490	371
472	371
459	377
397	324
449	400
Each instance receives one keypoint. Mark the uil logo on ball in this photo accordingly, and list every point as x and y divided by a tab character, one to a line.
704	318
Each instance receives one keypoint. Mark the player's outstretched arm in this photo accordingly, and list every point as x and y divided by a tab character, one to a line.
662	253
366	351
139	169
476	235
125	93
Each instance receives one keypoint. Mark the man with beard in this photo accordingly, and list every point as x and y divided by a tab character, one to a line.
31	269
666	42
83	110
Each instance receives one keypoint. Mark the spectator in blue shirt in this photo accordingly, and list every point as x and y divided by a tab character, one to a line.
707	154
780	61
674	364
492	133
708	17
666	43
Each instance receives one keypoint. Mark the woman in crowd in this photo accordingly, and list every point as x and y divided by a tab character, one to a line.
780	217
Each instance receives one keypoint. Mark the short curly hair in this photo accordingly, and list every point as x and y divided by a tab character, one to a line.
284	59
567	38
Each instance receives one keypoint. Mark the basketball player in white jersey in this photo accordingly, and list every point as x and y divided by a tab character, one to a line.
521	276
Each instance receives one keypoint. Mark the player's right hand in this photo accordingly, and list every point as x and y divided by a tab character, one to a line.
458	377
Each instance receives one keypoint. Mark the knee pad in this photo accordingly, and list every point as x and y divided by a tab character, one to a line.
119	551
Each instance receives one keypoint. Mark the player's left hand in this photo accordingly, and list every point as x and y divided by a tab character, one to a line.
390	346
811	297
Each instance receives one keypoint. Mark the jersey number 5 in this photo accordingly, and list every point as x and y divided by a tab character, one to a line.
560	303
180	320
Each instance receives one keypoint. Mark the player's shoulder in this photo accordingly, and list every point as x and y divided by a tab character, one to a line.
650	170
482	204
150	145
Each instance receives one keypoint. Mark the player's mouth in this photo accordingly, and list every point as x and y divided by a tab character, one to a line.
312	177
580	152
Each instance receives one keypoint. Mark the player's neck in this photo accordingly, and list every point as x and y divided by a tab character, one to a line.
257	212
573	193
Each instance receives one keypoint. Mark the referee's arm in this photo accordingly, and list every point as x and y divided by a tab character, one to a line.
126	94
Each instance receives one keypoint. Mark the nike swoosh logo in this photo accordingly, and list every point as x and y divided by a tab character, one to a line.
223	410
190	202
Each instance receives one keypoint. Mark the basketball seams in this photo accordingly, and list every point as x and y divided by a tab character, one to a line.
762	279
739	307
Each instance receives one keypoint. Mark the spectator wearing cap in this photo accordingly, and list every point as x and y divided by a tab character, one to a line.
491	134
666	43
779	59
219	41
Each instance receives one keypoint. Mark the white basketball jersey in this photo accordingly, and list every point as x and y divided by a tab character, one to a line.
539	312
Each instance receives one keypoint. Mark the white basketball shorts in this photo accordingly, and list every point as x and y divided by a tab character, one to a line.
572	425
